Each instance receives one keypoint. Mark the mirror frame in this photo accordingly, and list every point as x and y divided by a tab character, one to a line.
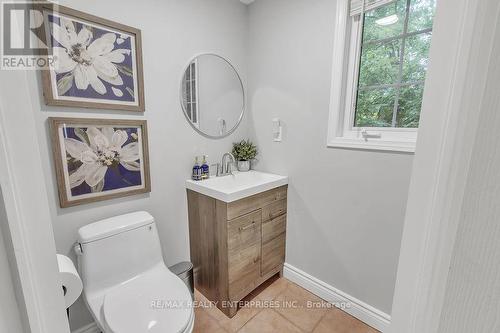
231	131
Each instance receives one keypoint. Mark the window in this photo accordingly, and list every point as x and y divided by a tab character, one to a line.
378	103
190	92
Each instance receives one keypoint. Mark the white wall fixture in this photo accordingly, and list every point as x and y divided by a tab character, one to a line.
464	57
277	130
29	222
10	314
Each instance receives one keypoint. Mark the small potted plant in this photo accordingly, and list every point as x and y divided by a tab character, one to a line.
244	151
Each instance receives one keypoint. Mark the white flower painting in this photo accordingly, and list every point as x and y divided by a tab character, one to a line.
98	150
87	61
100	160
94	65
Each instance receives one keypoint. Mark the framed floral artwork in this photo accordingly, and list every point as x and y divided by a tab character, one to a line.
99	159
96	63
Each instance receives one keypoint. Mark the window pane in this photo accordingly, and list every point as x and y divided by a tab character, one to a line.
416	58
184	93
421	14
385	22
375	108
193	71
194	118
410	104
380	63
188	91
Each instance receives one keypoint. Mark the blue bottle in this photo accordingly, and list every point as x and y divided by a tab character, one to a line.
196	170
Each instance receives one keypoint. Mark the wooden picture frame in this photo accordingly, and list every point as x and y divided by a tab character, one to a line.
99	159
107	74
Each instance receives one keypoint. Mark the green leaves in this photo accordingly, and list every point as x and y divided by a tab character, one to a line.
390	84
244	150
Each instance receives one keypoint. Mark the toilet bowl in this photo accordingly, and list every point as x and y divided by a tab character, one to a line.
127	286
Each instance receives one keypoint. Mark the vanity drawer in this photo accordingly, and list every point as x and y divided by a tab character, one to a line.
274	210
247	205
244	231
273	254
273	228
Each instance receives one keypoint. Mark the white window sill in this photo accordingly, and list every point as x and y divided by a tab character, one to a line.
373	144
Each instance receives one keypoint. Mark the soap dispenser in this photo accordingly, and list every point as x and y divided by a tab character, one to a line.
205	170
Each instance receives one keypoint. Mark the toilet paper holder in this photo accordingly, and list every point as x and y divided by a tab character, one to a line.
70	280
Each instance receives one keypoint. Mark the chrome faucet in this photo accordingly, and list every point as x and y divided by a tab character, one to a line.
226	166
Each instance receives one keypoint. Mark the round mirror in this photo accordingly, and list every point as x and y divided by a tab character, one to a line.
212	96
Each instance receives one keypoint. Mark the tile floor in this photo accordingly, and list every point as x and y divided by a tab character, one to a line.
278	306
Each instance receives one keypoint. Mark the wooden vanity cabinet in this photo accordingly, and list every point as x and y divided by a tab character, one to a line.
236	246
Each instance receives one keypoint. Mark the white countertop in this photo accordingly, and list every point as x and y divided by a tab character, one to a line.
237	186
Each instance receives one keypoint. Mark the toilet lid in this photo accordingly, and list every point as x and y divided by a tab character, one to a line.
157	301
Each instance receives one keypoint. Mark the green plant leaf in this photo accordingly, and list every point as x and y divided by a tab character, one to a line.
244	150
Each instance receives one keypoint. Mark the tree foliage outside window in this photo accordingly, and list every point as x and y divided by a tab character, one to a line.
393	64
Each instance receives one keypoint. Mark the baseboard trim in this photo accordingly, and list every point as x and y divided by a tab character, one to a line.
90	328
359	309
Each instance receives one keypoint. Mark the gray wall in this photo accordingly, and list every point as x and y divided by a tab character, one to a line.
173	32
346	207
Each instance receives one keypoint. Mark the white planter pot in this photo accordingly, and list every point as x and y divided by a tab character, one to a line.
243	166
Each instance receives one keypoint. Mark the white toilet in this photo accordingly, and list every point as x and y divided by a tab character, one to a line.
127	287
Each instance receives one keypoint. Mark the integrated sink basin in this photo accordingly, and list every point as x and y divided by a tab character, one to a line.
237	186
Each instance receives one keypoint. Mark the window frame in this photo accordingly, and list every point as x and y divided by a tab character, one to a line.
346	62
189	100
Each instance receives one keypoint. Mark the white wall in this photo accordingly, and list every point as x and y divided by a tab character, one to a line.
346	207
10	314
173	32
472	298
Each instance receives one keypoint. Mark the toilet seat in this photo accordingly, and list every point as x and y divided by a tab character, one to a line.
156	301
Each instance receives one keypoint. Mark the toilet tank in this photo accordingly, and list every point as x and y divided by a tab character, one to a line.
117	249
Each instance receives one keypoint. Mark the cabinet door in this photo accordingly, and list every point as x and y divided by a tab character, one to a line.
244	250
273	254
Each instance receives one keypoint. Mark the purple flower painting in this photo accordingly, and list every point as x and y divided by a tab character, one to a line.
99	160
90	62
